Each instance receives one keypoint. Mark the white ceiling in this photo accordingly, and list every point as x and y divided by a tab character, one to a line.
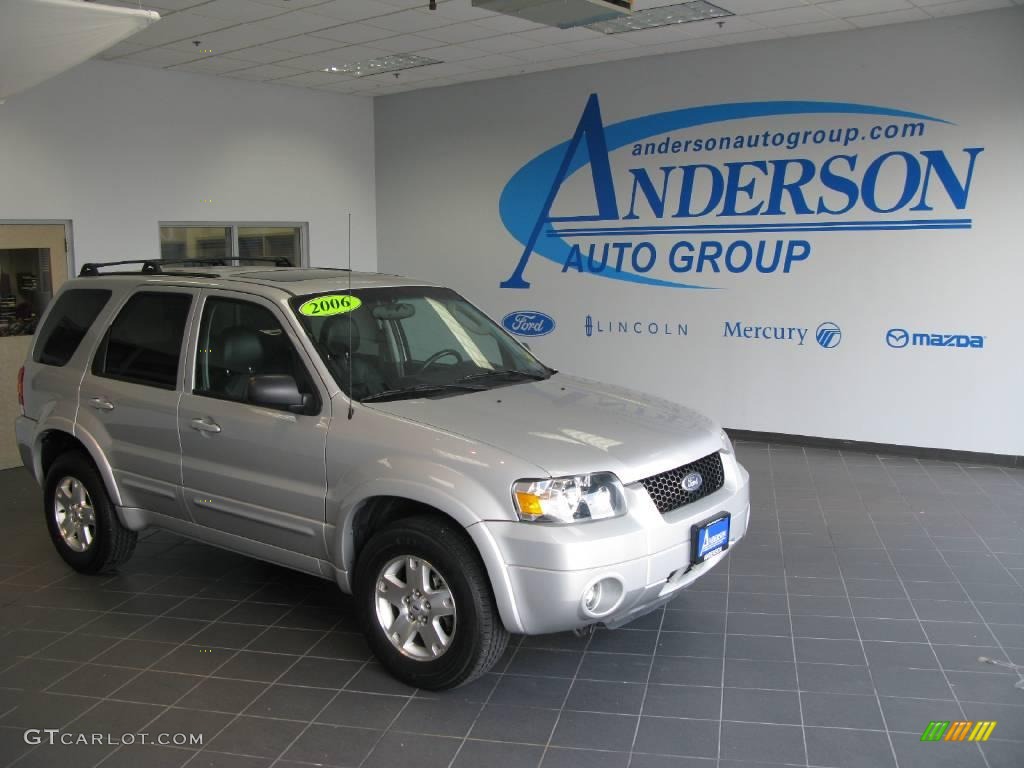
291	41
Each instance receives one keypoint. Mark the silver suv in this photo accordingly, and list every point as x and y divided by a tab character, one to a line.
376	431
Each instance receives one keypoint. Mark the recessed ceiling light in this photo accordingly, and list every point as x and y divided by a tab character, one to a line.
391	63
683	13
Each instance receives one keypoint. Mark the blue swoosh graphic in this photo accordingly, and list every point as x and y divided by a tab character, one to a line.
523	197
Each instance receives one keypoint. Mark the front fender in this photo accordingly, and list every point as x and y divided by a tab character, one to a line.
452	493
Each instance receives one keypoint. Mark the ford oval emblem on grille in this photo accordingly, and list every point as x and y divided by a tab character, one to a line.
692	482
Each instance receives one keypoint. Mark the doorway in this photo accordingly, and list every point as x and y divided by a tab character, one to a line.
33	265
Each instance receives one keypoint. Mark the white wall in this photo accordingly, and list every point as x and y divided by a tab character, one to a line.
117	148
444	158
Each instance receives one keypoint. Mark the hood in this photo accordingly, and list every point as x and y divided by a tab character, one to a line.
568	425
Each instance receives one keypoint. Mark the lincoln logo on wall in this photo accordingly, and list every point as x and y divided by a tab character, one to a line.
695	198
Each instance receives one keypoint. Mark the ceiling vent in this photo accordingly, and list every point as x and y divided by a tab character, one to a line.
559	13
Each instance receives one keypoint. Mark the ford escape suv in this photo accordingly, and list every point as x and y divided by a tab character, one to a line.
376	431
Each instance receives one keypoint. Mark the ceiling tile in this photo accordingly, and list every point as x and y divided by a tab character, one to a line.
495	60
233	38
787	17
355	32
162	5
756	6
261	54
405	43
308	79
352	10
238	10
846	8
288	5
965	6
264	72
501	22
176	27
816	28
890	17
453	53
460	33
162	57
347	55
603	43
751	36
545	53
553	35
461	10
305	44
410	21
294	23
213	65
504	44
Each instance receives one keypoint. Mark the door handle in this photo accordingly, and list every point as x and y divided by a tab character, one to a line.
101	404
205	426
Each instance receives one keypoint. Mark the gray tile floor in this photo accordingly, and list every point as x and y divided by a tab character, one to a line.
852	615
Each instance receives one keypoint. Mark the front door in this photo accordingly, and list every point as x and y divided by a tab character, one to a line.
33	265
251	470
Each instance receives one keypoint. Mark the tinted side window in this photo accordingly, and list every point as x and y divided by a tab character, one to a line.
67	324
143	344
239	339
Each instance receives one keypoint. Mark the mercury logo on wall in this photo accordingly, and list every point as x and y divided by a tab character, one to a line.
664	207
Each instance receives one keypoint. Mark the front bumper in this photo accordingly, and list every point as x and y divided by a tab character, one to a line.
641	560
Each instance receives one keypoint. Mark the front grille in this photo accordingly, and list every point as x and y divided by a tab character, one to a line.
666	489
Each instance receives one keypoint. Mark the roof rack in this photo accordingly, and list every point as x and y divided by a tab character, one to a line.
156	266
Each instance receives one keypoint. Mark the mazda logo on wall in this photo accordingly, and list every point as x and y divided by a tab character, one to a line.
897	338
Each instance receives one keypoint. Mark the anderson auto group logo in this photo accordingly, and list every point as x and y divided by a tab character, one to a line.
694	198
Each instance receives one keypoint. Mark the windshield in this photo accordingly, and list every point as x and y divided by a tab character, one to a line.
405	342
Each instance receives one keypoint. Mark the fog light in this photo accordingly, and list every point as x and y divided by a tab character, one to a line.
602	596
592	598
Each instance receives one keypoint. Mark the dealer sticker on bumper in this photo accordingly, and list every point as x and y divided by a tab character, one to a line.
710	538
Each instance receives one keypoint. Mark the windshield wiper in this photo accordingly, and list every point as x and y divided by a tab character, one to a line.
395	394
506	372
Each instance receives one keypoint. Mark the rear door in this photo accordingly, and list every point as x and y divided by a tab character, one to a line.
128	400
251	470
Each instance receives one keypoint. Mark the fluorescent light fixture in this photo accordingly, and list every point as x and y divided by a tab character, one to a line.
683	13
391	63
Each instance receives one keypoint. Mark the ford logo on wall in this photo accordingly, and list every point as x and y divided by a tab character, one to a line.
692	482
528	323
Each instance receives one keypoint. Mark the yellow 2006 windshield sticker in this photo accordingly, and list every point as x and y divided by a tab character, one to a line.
325	306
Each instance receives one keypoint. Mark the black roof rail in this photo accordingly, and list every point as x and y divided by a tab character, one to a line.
156	266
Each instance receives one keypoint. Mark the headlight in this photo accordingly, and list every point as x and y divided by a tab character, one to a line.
726	442
570	499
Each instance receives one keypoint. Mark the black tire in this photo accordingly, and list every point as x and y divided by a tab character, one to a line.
111	543
479	638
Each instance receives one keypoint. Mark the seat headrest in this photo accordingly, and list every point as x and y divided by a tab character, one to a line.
241	348
338	333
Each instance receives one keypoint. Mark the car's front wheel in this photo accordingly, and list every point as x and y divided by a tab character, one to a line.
426	604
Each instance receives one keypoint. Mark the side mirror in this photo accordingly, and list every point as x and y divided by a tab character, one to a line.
278	390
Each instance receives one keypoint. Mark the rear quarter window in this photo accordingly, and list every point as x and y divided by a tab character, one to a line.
69	320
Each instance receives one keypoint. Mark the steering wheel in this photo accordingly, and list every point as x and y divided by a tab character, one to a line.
438	355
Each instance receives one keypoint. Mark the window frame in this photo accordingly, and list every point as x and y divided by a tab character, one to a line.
101	345
194	337
234	226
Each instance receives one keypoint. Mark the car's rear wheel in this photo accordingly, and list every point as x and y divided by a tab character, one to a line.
81	518
426	604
